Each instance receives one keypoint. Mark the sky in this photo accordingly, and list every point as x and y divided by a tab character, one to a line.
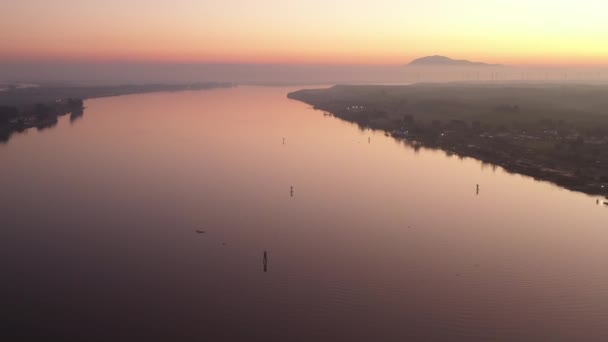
379	32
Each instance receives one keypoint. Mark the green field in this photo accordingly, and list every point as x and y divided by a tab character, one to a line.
585	105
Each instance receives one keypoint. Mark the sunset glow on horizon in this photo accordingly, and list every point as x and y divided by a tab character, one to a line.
385	32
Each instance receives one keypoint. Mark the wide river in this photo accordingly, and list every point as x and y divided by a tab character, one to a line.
377	241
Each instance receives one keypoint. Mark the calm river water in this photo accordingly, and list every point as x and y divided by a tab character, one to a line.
377	242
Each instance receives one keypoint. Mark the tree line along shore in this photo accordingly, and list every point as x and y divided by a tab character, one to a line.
39	107
552	132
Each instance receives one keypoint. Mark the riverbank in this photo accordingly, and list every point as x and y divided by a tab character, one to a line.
556	133
39	107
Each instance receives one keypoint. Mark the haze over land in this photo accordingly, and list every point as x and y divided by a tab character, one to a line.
277	74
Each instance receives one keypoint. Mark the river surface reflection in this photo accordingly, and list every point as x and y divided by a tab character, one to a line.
240	215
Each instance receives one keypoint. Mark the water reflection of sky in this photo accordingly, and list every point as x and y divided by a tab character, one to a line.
378	242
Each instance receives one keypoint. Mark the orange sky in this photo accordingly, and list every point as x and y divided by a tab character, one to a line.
514	32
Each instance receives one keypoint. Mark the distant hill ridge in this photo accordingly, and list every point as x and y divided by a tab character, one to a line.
446	61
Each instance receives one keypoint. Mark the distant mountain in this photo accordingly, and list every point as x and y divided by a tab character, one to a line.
446	61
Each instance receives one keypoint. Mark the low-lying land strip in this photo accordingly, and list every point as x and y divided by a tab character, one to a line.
26	107
557	133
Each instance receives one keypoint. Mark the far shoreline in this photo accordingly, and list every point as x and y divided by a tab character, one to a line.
40	107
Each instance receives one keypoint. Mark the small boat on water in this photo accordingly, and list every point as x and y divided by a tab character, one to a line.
198	231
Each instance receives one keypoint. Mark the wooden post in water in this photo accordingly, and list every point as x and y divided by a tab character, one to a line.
265	262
